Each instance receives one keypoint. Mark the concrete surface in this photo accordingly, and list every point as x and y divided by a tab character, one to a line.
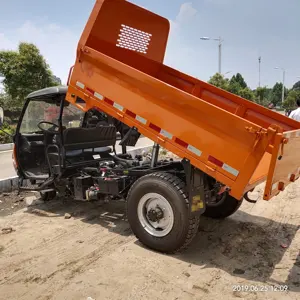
8	184
6	166
5	147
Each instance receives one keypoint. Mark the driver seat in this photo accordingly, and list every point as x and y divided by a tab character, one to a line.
89	141
83	146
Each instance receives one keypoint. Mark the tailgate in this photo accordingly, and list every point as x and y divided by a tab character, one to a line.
285	163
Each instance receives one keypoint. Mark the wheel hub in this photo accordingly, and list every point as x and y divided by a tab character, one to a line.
155	214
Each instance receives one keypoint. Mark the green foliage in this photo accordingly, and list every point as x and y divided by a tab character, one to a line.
24	71
219	81
238	86
234	87
276	96
238	79
4	138
262	95
6	102
296	86
290	101
247	94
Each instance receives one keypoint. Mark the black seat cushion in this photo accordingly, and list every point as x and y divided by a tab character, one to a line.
89	138
90	151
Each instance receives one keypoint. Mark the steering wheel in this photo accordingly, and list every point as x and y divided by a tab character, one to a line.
53	130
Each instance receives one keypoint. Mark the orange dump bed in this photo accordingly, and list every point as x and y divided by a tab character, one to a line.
119	69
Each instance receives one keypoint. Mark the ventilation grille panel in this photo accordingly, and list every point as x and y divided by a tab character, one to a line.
133	39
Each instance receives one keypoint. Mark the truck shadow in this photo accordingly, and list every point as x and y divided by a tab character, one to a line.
248	247
245	246
110	216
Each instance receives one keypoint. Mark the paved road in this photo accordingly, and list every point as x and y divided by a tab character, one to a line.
6	166
7	170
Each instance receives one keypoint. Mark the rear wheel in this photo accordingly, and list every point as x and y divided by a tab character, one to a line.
158	213
224	206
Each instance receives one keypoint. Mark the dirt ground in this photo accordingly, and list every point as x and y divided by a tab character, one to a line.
93	255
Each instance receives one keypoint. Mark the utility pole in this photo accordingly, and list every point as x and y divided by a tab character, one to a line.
259	61
220	55
283	79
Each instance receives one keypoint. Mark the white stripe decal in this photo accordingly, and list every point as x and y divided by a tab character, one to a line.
99	96
194	150
140	119
118	106
230	170
166	134
79	84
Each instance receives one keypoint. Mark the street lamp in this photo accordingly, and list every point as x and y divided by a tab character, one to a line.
205	38
228	72
283	78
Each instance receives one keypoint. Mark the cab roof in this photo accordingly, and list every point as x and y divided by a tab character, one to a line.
54	90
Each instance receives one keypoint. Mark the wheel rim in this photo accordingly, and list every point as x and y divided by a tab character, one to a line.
155	214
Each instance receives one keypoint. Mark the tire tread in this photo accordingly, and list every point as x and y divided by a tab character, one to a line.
179	185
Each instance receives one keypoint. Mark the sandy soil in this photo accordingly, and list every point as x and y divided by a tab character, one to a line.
12	202
93	254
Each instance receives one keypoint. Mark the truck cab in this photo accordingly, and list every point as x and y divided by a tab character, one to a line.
54	138
38	128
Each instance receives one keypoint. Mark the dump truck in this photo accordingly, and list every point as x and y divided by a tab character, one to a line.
119	83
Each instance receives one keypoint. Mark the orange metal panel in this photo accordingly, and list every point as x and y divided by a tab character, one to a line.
206	127
285	163
260	173
119	69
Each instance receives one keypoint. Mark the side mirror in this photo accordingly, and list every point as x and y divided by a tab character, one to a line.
1	116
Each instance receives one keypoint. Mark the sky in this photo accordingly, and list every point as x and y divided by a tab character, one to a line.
268	28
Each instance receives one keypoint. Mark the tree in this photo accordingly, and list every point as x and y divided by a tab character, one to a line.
262	95
276	96
56	80
234	87
238	86
296	86
24	71
239	79
219	81
290	101
247	94
6	102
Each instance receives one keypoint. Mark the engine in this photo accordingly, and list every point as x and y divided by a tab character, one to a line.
106	181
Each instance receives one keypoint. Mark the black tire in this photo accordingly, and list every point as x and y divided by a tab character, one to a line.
48	196
173	190
224	208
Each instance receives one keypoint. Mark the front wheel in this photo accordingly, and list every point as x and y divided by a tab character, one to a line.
158	213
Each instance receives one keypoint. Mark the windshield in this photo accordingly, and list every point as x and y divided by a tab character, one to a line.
39	110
